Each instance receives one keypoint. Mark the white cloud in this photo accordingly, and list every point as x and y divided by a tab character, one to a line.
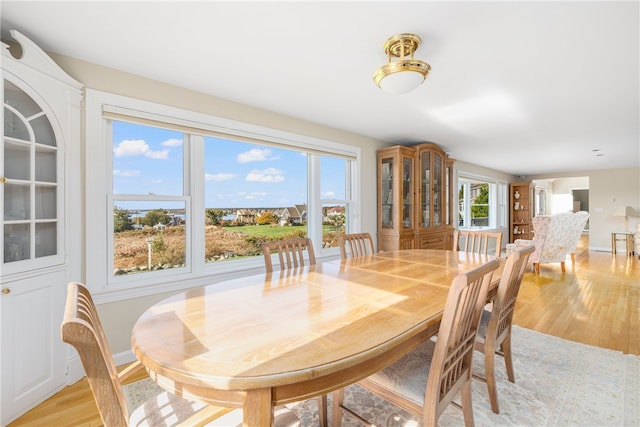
173	142
156	181
138	147
219	176
256	195
157	155
329	195
118	172
271	175
255	155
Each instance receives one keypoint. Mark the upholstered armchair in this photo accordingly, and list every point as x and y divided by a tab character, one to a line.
580	221
555	237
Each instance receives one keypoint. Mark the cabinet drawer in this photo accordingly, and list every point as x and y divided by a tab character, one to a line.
436	241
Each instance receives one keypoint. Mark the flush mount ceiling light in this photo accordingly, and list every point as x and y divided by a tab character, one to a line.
405	74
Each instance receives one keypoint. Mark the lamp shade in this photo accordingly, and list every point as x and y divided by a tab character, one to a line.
624	211
401	82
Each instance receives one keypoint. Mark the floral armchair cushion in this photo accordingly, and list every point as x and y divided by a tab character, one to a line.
580	219
555	236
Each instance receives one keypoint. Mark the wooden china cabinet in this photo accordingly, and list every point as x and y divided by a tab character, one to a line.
415	198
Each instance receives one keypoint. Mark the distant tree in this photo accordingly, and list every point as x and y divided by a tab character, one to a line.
214	215
155	216
481	199
267	218
121	220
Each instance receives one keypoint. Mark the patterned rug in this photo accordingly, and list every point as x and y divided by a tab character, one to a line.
558	383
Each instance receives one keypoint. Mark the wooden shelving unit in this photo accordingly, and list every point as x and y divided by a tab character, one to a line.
521	211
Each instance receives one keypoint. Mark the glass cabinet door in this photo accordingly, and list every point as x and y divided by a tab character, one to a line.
407	192
425	193
437	190
386	192
448	185
29	179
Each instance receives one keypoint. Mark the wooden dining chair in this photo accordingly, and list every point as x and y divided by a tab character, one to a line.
290	253
82	329
427	379
480	242
494	333
358	244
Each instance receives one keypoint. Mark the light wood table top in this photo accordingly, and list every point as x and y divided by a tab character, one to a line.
271	339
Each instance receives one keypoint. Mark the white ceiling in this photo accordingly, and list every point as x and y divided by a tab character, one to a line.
521	87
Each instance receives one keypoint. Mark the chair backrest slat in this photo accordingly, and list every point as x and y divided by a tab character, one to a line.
480	242
290	253
359	244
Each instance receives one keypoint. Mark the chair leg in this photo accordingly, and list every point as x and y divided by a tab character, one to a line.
562	266
322	410
536	267
467	408
490	376
338	400
506	350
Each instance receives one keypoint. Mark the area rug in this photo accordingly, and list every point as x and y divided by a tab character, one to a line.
558	383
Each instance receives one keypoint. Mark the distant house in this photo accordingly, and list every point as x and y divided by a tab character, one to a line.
295	215
245	216
159	227
333	210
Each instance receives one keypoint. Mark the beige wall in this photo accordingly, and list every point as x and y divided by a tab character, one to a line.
118	317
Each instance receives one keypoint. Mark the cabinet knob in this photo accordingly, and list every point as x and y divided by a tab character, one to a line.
6	291
3	179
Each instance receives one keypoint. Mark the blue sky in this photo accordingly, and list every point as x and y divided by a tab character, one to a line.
148	160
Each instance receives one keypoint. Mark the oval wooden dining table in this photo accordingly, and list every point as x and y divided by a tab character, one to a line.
271	339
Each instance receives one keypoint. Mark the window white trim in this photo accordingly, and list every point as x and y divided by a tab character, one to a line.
99	202
497	200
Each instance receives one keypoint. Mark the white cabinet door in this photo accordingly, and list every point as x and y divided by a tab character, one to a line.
33	355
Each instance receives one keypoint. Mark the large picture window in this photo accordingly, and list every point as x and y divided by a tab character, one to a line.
187	197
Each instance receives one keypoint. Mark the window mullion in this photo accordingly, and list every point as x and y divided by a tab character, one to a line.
314	203
194	175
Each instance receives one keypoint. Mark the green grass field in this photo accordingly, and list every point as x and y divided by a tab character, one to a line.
266	230
275	232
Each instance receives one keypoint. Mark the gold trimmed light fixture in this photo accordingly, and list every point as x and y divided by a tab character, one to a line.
405	74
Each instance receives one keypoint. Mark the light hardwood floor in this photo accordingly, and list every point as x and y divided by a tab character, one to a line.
595	302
